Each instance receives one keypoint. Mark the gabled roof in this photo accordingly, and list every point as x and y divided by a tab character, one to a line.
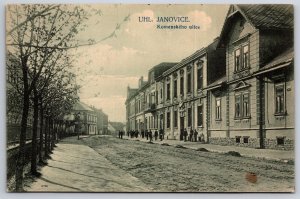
269	16
261	16
79	106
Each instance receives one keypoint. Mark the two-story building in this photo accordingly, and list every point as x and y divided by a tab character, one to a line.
251	108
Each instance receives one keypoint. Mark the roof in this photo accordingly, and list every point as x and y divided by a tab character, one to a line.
217	83
269	16
282	60
79	106
160	68
195	55
261	16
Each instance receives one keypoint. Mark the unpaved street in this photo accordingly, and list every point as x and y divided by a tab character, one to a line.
167	169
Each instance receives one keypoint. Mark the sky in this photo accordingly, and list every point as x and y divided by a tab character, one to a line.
106	69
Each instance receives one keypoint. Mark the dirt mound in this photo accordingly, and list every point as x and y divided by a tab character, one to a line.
202	149
180	147
233	153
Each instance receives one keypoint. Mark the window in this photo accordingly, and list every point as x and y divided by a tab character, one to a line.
200	115
246	56
181	85
200	78
237	139
161	93
168	91
218	109
189	82
237	106
189	117
241	58
242	108
175	88
175	119
156	97
246	105
237	59
279	99
246	140
168	119
280	140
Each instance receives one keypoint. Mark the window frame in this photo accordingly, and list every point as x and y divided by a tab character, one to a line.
190	116
198	113
200	77
241	59
168	120
175	118
189	82
283	112
168	89
218	117
175	94
242	115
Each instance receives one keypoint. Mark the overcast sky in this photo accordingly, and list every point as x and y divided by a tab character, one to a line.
106	69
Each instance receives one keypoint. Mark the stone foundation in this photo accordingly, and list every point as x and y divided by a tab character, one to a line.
253	143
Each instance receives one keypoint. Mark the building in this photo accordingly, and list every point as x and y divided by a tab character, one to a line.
234	91
102	121
88	118
251	110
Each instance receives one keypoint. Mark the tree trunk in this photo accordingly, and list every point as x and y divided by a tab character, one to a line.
41	135
46	137
33	167
21	154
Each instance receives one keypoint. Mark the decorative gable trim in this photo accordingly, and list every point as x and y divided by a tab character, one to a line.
241	85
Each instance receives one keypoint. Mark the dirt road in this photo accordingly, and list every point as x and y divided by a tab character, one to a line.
171	169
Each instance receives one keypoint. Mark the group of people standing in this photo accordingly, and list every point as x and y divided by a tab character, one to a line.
192	136
148	134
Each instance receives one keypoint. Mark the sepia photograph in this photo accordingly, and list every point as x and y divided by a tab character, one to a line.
146	98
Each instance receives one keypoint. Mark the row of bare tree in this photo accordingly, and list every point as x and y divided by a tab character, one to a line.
41	83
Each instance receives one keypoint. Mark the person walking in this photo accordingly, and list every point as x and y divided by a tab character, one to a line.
185	133
147	134
150	135
195	135
191	135
155	134
161	134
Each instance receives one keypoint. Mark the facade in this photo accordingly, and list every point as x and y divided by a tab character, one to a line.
88	118
102	121
239	90
251	110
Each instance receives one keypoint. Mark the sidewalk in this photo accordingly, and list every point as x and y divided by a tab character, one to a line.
269	154
75	167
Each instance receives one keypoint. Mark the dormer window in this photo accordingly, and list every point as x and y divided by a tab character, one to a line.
237	58
241	58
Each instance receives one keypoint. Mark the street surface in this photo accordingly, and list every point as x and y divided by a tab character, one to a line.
105	163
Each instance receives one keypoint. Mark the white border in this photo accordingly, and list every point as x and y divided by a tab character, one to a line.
3	193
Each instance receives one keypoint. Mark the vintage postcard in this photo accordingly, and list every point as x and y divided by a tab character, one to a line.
150	98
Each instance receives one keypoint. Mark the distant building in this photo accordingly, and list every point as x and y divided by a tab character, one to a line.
88	118
102	121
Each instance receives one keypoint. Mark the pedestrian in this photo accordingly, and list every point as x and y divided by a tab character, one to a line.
185	134
191	135
161	134
201	137
150	135
128	134
147	134
122	134
119	134
195	135
181	134
155	134
143	133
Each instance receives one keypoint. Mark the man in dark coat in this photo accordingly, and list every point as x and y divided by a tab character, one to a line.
155	134
147	134
150	135
185	134
195	135
161	134
191	135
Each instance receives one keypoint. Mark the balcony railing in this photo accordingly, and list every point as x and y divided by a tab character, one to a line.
150	107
